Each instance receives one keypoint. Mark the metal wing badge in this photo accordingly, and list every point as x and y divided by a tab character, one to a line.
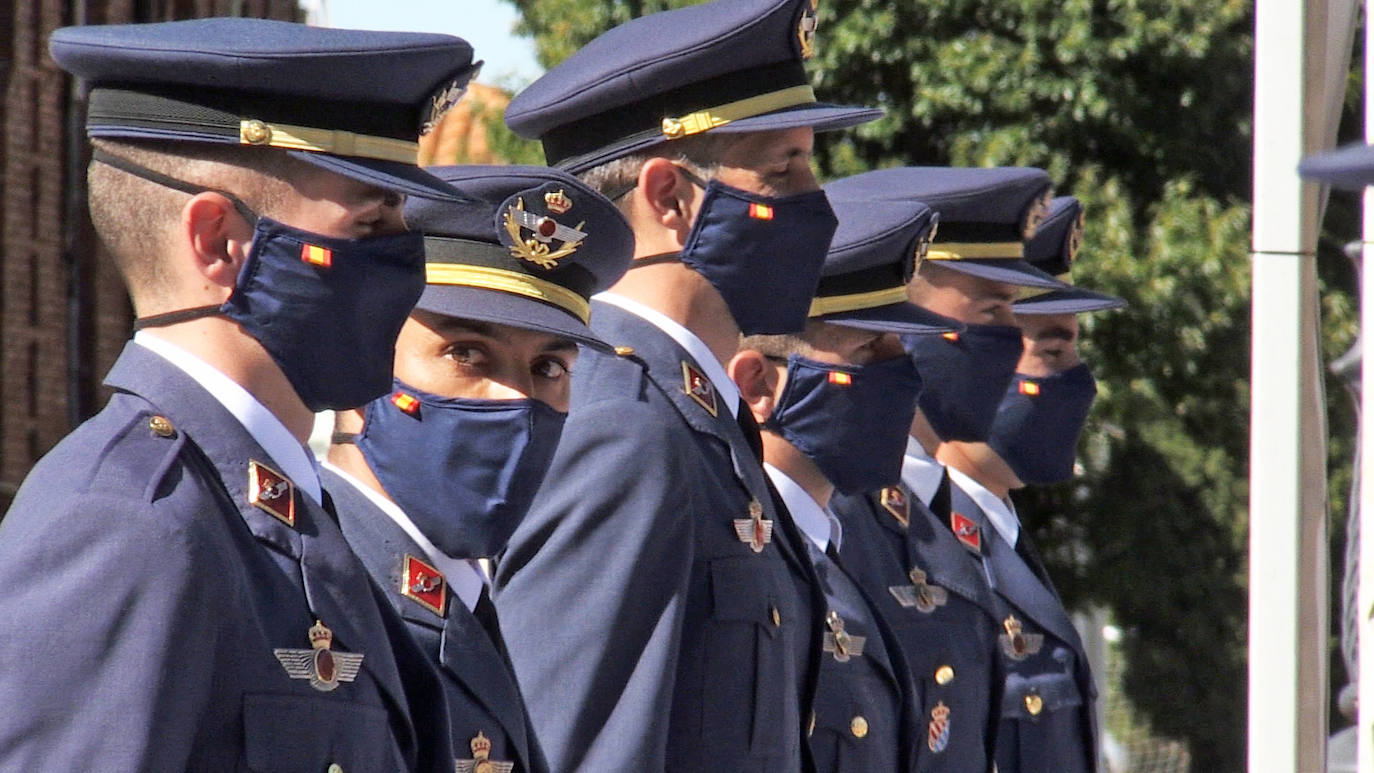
321	665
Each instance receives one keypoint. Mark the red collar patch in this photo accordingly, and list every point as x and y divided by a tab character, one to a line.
424	585
893	500
967	531
699	388
272	492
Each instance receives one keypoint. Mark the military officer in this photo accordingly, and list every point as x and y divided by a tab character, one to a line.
826	400
1047	716
437	474
176	595
656	634
907	550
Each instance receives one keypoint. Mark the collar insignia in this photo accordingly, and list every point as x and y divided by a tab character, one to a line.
894	501
481	762
919	594
322	666
754	531
967	531
937	734
1017	645
544	230
698	387
272	492
424	585
839	643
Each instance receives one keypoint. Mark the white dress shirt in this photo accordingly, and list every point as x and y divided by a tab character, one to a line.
920	472
816	522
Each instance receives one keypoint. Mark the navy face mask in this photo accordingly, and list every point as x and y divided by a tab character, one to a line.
464	470
965	376
762	254
326	309
852	421
1037	426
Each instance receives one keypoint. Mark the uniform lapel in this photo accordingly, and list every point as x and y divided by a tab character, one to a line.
468	653
932	546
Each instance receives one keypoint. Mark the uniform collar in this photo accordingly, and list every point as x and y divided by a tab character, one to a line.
464	575
1000	512
725	388
262	425
920	472
817	523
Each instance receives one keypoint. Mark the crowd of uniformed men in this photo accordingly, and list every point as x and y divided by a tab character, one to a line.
738	445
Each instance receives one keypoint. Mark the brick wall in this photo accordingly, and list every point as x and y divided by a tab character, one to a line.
64	316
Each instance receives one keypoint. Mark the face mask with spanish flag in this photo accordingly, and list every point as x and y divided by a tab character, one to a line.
850	420
1037	426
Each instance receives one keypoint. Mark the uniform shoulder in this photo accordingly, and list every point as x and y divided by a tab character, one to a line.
615	376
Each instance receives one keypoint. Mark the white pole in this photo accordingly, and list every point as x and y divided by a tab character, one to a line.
1288	572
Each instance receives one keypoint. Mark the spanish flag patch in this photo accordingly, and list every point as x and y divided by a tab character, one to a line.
316	256
407	403
840	379
760	211
1029	388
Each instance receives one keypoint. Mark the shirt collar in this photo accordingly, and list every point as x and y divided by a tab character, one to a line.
715	372
816	522
1000	512
265	428
920	472
464	575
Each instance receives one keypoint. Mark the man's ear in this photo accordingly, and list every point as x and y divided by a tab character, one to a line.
668	195
217	236
758	380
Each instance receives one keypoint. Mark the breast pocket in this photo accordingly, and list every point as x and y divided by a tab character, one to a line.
299	734
746	709
1047	711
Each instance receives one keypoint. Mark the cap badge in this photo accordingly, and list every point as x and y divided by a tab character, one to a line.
442	101
754	531
806	30
966	530
1075	239
270	491
1036	214
322	666
919	594
698	387
481	762
937	734
840	643
423	584
543	231
894	501
1017	645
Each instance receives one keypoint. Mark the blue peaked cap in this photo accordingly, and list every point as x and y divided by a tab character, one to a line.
872	257
1052	250
723	66
529	250
352	101
986	214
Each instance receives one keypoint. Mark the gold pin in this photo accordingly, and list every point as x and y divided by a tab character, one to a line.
320	664
858	726
161	426
255	132
944	675
1034	704
624	351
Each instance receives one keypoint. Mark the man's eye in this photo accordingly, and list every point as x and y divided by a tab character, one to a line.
551	369
467	355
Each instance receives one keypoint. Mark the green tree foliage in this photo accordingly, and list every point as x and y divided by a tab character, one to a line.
1141	108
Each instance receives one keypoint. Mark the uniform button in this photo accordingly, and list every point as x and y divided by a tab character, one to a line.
624	351
776	615
811	726
161	426
858	726
1034	704
944	675
335	767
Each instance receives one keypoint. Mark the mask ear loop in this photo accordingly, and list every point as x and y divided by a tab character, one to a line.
138	170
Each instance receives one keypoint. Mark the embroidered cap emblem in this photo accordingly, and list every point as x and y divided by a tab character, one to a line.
754	531
322	666
544	230
806	30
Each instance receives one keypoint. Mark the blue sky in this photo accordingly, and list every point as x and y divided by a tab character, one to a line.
486	24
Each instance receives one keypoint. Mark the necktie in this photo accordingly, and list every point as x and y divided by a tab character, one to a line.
940	503
750	428
485	612
1028	553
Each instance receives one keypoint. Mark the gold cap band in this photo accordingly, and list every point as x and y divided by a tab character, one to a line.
835	304
512	282
976	251
338	142
1026	293
712	117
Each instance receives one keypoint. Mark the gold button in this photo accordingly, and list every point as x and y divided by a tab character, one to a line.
335	767
255	132
777	616
161	427
858	726
811	726
944	675
1034	704
624	351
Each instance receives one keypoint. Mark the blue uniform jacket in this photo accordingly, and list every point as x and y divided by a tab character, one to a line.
865	703
143	597
479	686
652	635
951	648
1047	723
